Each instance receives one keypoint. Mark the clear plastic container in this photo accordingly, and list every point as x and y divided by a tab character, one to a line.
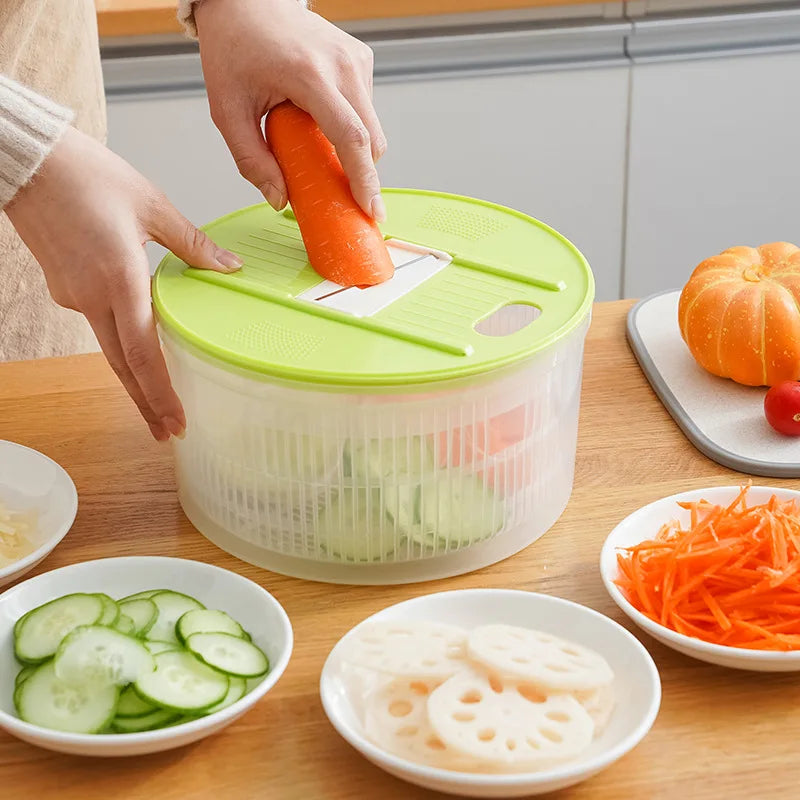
411	431
377	488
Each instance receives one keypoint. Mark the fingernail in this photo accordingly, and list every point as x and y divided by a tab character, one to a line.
378	208
274	196
229	260
159	434
174	427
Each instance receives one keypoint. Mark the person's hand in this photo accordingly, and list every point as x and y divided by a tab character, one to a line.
86	216
258	53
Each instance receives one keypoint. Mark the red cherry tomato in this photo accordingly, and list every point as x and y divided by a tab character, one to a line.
782	407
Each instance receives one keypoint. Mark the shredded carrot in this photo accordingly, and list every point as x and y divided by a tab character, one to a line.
731	577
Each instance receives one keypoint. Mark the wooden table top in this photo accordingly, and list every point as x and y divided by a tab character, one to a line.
720	734
148	17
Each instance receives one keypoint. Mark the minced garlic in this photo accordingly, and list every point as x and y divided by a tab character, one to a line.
16	528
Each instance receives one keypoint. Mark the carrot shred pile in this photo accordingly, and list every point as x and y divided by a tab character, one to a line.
731	577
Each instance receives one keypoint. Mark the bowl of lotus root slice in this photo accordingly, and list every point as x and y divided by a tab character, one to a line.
490	692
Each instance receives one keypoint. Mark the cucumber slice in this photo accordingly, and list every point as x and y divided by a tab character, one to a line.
160	718
131	705
42	629
24	674
15	697
46	701
457	511
400	501
182	683
19	623
349	528
205	620
110	610
171	607
125	625
236	691
96	656
145	595
382	462
228	654
183	718
142	611
397	467
160	647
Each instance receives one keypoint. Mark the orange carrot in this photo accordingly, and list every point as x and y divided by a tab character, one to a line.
731	577
344	245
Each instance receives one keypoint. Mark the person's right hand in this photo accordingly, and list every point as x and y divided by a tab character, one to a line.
258	53
86	216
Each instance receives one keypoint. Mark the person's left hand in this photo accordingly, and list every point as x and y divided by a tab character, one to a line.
258	53
85	217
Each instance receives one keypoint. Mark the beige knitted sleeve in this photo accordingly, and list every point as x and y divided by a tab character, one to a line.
30	125
186	15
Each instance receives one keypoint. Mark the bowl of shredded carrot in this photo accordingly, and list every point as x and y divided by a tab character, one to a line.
714	574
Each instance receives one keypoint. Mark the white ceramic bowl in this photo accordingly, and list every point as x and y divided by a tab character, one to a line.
30	481
637	687
255	608
645	524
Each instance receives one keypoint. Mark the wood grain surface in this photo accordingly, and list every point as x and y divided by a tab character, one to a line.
721	735
148	17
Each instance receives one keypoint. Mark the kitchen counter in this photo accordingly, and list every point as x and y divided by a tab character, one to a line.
719	734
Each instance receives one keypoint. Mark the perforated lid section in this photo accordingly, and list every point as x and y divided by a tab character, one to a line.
443	321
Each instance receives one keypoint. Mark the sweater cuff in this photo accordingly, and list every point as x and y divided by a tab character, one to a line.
30	126
186	15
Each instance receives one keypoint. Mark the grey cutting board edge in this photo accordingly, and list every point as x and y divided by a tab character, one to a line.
723	420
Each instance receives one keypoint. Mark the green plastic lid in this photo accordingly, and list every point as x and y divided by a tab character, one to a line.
431	322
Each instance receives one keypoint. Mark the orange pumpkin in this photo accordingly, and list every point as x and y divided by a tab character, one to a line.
739	314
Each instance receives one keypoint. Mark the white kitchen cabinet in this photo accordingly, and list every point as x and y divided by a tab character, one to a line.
529	116
652	143
170	138
714	161
549	143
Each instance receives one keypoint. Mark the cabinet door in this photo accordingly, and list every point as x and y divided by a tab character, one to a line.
548	143
714	162
551	144
171	139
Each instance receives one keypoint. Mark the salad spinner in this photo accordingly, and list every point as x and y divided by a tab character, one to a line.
413	430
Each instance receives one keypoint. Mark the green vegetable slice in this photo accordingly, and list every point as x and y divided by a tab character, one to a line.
131	705
142	611
94	655
171	607
182	683
160	718
229	654
41	630
45	700
206	620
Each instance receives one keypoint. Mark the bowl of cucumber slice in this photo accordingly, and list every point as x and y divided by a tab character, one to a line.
127	656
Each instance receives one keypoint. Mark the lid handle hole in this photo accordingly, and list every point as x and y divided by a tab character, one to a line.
508	319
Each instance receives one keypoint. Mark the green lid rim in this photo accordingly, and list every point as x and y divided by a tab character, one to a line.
296	374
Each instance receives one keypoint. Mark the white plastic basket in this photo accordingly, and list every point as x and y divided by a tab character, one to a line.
420	428
377	488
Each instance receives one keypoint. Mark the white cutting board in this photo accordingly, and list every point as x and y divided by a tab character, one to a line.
724	420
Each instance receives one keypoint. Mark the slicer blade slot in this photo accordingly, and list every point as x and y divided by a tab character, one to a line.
413	266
